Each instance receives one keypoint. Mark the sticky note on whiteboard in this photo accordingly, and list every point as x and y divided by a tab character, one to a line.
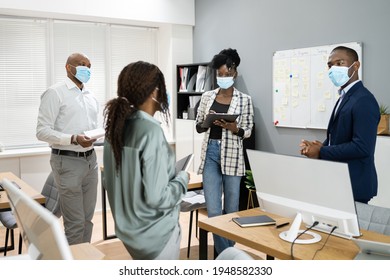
321	108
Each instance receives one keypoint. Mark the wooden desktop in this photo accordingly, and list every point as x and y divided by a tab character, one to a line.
266	239
4	202
84	251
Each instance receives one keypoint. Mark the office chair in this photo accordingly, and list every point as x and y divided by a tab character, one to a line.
373	218
50	192
232	253
192	201
8	220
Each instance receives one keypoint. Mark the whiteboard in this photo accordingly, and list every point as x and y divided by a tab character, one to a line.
303	95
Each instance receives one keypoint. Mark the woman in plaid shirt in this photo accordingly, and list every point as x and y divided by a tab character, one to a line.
222	157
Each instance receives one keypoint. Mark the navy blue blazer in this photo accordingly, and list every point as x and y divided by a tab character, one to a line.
352	134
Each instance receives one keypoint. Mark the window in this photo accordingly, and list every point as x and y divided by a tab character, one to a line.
33	53
23	78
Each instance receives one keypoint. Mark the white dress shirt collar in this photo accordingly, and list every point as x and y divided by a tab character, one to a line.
349	86
70	84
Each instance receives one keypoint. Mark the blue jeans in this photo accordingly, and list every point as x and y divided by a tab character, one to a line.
214	184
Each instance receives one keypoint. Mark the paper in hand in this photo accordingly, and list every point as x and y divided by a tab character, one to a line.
95	133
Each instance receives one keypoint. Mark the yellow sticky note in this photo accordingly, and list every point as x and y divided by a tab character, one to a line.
321	108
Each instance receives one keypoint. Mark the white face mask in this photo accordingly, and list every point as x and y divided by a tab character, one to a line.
225	82
339	75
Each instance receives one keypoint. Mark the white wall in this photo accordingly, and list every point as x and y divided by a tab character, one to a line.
259	28
382	164
114	11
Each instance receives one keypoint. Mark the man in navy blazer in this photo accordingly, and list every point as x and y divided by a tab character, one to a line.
352	128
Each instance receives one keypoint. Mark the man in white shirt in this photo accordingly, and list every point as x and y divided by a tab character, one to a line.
68	109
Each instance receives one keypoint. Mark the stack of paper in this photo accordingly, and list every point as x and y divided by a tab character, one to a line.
95	133
193	200
196	199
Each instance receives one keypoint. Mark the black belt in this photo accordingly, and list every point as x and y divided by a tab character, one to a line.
72	153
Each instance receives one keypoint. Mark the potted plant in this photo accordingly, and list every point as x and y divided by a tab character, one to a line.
250	185
383	126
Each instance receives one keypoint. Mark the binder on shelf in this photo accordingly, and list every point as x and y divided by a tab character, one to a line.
191	83
208	80
200	78
183	79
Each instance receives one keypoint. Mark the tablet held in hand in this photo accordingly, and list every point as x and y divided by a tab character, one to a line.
210	118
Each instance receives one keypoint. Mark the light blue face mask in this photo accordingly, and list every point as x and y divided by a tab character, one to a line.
169	98
339	75
83	73
225	82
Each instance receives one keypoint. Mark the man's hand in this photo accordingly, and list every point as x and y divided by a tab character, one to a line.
311	149
85	141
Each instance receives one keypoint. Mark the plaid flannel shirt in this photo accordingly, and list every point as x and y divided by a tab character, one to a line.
232	153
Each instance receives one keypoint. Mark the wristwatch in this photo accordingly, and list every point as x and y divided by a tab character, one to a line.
74	140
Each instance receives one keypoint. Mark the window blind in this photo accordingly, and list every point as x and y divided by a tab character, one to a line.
130	44
33	54
86	38
23	78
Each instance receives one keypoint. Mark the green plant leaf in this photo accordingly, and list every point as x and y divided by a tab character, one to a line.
249	182
383	109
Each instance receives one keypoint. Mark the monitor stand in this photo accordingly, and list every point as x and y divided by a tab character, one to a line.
294	231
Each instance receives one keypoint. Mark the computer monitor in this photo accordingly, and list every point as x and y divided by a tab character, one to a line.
309	189
40	229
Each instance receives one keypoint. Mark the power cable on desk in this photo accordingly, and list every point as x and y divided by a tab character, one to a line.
299	235
323	245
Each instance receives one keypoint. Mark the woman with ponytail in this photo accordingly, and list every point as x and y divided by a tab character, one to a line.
143	188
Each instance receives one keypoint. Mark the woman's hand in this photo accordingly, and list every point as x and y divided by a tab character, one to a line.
232	126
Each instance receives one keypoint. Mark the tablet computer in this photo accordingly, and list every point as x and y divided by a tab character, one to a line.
184	163
210	118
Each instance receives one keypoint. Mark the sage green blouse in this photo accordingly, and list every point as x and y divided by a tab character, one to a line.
145	193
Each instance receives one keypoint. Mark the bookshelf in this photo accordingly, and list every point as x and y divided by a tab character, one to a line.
192	80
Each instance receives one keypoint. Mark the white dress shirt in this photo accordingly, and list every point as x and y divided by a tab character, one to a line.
66	110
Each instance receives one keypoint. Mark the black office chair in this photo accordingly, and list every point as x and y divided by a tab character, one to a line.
192	201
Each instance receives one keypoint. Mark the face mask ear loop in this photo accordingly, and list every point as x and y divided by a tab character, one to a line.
353	73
